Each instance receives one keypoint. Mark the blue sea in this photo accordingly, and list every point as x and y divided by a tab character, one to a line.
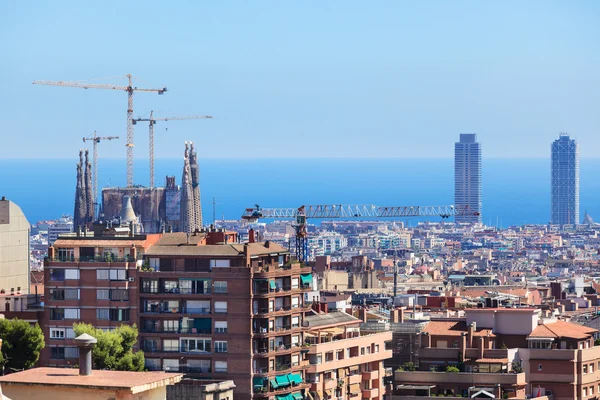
515	191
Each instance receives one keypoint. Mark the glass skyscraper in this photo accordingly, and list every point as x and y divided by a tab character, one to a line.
565	181
467	177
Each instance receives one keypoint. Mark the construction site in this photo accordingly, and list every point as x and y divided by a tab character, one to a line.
174	208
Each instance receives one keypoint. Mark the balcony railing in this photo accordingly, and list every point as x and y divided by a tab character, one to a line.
173	349
177	290
102	259
177	310
178	330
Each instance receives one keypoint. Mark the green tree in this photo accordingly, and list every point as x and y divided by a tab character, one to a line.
114	349
409	366
21	343
452	368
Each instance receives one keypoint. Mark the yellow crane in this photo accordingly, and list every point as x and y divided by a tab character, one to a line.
95	140
152	121
130	89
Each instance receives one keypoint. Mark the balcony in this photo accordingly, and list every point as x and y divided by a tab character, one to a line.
330	384
369	376
275	270
279	350
176	331
356	378
370	393
467	378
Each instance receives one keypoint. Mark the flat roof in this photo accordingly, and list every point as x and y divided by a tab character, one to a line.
135	382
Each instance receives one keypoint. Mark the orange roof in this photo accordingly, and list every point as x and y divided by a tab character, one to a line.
453	328
560	329
492	360
114	380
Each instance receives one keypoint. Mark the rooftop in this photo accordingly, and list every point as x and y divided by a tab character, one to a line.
225	250
453	328
134	382
329	319
559	329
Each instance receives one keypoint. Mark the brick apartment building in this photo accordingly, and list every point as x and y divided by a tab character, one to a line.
345	363
93	279
505	352
217	309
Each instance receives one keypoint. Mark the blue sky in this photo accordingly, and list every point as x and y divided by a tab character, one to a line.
304	78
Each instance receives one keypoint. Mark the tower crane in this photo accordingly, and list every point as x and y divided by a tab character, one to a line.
130	89
95	140
346	212
152	121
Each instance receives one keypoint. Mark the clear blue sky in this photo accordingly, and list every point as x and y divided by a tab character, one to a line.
304	78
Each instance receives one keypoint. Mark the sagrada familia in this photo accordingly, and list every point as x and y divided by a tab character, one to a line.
158	209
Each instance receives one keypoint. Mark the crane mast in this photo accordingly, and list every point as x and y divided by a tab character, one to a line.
346	212
152	122
130	89
95	140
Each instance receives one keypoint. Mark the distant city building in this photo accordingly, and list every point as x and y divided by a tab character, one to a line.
14	248
63	225
467	177
565	181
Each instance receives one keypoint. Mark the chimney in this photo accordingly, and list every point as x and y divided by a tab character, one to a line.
251	238
401	311
85	343
362	314
463	344
133	252
481	346
471	332
267	244
394	316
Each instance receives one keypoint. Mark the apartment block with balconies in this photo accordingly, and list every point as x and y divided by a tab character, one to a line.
89	278
213	308
344	363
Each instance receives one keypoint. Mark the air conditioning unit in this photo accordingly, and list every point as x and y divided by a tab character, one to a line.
131	279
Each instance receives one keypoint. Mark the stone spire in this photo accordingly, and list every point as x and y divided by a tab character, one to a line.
80	211
186	216
89	196
195	171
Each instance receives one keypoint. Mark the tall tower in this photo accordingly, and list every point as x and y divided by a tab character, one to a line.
186	208
565	181
195	172
467	177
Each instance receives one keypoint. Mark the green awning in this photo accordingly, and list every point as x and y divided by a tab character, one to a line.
296	379
259	381
274	384
306	279
297	396
284	397
203	325
282	380
272	285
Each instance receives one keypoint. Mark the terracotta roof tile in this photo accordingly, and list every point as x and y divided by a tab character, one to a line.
98	379
560	329
453	328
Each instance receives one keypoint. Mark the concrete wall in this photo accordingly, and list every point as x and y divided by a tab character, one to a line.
14	248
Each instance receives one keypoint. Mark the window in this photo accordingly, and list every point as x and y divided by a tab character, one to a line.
295	360
102	274
219	263
220	307
71	274
57	314
71	352
118	274
281	260
102	294
585	369
196	345
295	302
591	368
295	322
198	306
102	313
155	263
69	333
119	314
171	325
376	348
539	367
57	274
295	283
57	294
57	333
591	390
71	294
152	364
57	353
171	365
220	366
220	326
119	294
220	347
220	287
149	286
584	392
66	254
170	345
